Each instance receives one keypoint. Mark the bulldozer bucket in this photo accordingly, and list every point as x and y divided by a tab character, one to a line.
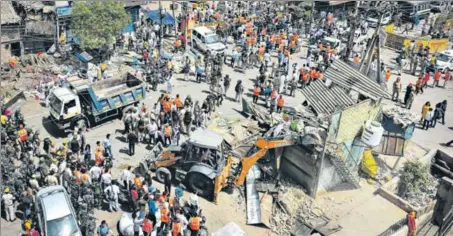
153	155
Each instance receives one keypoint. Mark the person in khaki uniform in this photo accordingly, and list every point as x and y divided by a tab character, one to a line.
8	201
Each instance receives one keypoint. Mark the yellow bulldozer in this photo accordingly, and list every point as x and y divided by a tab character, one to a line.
202	162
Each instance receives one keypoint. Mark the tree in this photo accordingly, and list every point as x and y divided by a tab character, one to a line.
96	22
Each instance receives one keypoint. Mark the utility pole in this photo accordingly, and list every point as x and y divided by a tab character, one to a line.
161	33
378	78
353	23
312	16
174	18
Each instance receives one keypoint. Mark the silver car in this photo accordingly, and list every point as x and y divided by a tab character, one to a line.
56	216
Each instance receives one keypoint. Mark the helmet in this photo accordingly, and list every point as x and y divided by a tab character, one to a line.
7	190
65	141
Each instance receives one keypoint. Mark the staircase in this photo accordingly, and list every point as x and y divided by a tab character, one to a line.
344	172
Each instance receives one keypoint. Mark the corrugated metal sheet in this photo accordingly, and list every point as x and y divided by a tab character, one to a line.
348	77
325	100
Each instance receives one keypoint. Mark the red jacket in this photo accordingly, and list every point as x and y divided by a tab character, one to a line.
427	76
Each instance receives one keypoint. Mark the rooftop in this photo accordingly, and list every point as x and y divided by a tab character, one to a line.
325	100
344	75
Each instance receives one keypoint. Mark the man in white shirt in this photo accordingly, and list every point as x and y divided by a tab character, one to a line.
111	192
95	172
152	128
126	177
106	178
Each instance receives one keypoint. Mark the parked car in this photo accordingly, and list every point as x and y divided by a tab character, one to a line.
445	61
56	215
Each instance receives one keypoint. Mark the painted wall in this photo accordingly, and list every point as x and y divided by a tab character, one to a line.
353	118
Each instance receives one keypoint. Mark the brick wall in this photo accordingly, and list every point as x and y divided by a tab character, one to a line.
353	118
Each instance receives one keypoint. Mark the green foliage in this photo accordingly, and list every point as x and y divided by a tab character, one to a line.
414	177
96	22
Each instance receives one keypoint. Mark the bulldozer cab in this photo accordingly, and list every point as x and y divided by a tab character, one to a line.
204	147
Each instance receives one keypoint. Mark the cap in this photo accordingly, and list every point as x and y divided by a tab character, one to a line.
6	190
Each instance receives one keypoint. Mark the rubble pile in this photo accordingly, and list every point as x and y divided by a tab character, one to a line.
400	115
294	204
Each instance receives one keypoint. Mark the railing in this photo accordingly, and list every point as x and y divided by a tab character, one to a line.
447	223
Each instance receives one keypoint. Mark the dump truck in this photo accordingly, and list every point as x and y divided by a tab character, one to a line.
83	105
203	163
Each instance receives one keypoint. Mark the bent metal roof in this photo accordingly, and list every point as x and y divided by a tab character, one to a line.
349	78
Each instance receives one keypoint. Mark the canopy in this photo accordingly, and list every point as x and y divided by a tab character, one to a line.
167	18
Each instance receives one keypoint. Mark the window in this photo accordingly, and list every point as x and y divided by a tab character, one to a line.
69	105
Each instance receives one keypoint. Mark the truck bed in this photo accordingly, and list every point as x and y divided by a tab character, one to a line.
116	85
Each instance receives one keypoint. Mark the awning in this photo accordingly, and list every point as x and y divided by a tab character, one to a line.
154	16
168	19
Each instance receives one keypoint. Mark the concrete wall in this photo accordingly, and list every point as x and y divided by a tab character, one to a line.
353	118
299	165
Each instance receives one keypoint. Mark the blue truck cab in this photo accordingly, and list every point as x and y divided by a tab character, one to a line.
83	105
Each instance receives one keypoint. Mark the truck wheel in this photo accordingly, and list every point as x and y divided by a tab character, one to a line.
161	174
81	125
201	184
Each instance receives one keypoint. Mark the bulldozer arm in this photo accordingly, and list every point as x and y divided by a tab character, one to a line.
264	146
221	181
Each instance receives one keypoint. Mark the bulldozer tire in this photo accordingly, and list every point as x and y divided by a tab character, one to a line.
161	173
201	184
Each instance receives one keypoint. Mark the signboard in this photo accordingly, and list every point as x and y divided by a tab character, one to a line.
64	11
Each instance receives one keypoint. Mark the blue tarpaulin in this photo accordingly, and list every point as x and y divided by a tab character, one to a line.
167	18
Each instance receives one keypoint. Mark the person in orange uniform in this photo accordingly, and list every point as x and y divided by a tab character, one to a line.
23	136
279	40
356	60
166	105
312	75
167	134
437	76
194	224
273	40
292	46
256	94
99	154
388	74
320	46
178	102
177	44
138	181
165	216
176	228
280	104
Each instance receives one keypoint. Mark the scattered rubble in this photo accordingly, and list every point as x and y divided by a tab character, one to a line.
295	204
400	115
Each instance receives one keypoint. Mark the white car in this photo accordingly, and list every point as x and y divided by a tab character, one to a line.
445	61
56	216
206	40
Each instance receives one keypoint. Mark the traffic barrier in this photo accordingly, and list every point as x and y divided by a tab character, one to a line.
397	42
389	28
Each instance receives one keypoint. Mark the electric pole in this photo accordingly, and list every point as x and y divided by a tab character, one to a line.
161	33
353	22
174	18
312	15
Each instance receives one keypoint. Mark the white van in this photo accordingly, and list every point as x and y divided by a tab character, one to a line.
445	61
206	40
56	216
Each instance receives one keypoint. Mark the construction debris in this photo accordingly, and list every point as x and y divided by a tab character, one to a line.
400	115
